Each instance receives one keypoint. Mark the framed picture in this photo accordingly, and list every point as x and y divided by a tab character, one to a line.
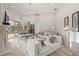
75	21
66	21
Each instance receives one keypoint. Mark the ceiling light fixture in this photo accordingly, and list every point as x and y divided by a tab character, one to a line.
30	3
13	6
52	4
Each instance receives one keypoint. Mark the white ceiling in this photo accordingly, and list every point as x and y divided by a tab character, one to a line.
33	8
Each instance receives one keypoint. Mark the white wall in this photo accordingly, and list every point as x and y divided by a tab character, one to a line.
66	10
42	22
13	16
1	13
46	22
25	19
2	32
2	37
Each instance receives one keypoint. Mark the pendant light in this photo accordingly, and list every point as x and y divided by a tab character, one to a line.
6	17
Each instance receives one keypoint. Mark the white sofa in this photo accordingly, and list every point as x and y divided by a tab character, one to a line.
50	47
34	48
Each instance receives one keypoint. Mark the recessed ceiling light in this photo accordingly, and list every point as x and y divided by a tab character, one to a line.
16	23
13	6
11	21
52	4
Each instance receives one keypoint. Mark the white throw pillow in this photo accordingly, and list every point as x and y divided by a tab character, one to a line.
47	43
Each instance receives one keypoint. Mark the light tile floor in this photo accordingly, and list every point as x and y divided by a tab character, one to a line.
63	51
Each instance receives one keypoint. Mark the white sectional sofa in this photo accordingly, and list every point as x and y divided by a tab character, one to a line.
36	49
50	47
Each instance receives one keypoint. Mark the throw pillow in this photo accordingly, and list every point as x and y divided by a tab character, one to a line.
52	39
42	43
